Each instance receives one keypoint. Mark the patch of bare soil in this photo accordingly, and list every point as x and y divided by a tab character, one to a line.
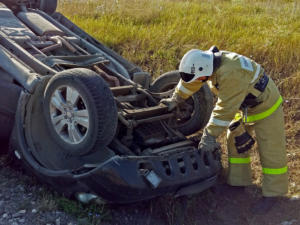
24	201
221	205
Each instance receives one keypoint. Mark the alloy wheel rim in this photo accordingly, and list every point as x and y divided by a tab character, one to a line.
69	114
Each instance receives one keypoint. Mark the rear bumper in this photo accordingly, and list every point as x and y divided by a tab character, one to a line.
128	178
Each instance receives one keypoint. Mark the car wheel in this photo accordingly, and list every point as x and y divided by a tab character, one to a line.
48	6
80	111
9	95
196	109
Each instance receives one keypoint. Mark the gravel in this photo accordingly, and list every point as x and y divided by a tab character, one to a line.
25	202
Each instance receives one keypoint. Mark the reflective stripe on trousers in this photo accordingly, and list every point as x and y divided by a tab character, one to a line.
260	116
239	160
264	114
270	139
276	171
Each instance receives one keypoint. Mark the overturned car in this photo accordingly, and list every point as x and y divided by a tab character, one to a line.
88	122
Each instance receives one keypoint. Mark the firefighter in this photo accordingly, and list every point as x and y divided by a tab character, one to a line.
248	101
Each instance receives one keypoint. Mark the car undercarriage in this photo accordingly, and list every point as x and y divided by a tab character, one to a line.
88	122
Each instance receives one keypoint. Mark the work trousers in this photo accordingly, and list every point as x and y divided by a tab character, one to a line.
270	137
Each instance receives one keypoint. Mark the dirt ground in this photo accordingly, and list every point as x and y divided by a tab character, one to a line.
218	206
21	203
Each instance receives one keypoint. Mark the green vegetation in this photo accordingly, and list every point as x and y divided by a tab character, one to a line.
86	214
155	34
90	214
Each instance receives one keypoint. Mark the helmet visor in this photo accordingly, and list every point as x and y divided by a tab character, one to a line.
187	77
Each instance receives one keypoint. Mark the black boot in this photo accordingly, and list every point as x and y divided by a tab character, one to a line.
263	205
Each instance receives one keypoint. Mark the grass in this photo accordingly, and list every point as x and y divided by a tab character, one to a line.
47	200
91	214
155	34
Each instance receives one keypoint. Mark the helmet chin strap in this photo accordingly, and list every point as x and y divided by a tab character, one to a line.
217	57
217	61
203	80
214	49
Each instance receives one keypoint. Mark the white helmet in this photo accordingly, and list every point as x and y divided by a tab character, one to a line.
195	64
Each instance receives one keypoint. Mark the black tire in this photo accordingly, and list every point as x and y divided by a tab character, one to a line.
48	6
9	95
202	102
6	124
96	100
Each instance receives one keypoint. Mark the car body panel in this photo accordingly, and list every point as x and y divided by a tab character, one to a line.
152	160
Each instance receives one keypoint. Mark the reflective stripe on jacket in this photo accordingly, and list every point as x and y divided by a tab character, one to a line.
232	82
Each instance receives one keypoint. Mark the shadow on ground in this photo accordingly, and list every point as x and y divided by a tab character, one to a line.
220	205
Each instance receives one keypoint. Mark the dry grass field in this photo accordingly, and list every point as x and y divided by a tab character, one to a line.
155	34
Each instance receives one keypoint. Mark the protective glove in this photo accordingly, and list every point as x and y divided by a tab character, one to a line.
172	102
208	142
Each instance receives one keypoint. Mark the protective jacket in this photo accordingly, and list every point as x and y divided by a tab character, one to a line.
241	84
232	82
